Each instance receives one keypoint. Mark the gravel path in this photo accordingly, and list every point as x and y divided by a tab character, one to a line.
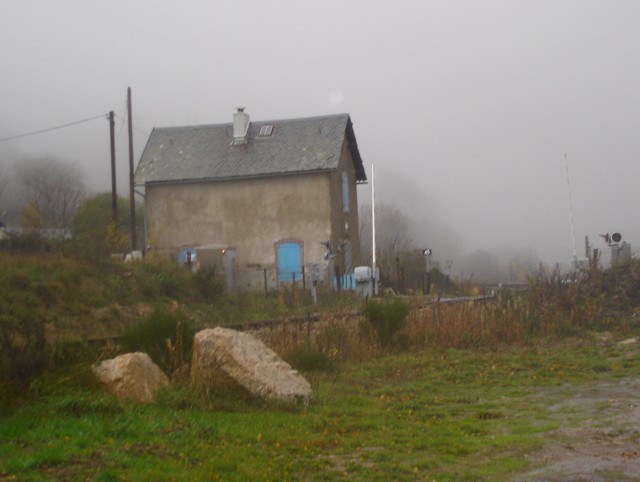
600	435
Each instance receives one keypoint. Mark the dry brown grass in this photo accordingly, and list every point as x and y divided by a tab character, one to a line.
550	307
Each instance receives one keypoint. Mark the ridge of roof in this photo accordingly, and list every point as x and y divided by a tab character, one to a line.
207	153
268	121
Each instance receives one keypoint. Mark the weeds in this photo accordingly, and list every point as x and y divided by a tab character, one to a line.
208	284
53	304
308	358
440	414
167	337
22	340
386	319
421	414
44	295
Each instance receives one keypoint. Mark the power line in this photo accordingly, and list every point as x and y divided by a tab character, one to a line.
140	131
41	131
123	118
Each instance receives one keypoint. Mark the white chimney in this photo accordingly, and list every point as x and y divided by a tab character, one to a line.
240	126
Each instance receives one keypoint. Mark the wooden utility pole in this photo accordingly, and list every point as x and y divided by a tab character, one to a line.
132	200
114	196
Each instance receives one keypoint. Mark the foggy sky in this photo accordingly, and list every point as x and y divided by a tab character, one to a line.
473	103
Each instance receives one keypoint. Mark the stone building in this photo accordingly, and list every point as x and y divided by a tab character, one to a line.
267	202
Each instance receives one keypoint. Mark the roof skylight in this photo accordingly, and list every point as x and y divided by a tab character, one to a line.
266	130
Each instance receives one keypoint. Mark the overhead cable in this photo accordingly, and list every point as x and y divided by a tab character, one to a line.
41	131
124	120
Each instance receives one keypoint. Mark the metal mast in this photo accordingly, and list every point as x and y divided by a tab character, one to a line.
573	229
114	195
132	199
374	275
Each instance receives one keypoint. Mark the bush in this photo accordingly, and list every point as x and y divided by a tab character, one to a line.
165	279
65	354
208	284
167	337
24	353
307	358
386	319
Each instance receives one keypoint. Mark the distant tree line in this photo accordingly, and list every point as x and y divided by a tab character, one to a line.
402	263
45	204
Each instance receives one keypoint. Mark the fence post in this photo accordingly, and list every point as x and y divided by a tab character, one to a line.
304	281
266	291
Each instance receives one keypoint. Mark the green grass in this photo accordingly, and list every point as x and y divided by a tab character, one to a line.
438	414
458	393
82	299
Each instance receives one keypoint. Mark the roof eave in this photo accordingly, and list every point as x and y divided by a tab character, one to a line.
361	175
236	178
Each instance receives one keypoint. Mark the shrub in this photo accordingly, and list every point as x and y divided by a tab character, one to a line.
207	283
167	337
165	279
336	339
386	319
22	340
66	354
308	358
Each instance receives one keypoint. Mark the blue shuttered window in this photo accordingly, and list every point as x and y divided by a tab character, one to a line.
345	193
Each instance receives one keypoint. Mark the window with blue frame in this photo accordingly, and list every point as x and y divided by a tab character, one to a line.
345	193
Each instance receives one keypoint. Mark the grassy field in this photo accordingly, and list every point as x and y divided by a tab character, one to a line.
410	392
438	414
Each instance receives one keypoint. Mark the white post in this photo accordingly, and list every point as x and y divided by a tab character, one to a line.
374	274
573	229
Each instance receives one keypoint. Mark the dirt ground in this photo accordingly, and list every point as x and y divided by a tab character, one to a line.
599	438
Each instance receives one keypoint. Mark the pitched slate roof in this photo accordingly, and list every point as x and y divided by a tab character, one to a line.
207	153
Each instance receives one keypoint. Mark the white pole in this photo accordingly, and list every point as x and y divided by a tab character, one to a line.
573	229
373	231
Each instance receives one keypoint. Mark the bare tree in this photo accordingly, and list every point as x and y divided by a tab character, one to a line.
392	238
53	188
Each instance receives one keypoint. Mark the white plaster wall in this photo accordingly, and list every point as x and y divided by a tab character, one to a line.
249	215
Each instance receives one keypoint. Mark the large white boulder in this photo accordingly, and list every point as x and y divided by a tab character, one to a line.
132	377
224	357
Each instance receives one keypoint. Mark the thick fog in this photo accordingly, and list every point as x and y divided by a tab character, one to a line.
466	108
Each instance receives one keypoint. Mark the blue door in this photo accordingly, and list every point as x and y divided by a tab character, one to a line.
289	262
